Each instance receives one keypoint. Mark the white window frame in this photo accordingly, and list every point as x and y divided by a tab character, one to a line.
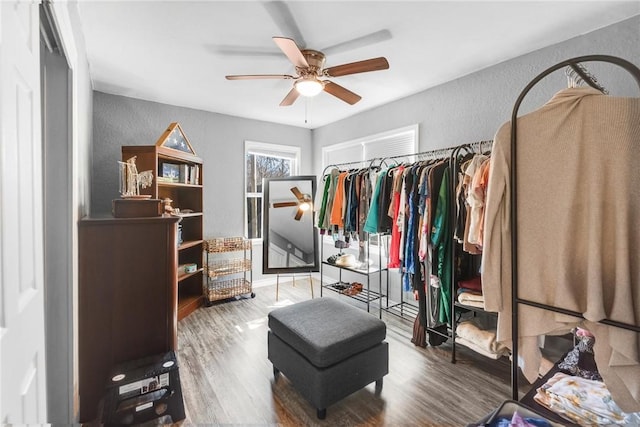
290	152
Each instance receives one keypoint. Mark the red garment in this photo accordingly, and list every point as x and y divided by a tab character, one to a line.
473	284
394	246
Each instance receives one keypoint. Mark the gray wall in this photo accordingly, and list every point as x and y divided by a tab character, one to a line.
473	107
217	138
468	109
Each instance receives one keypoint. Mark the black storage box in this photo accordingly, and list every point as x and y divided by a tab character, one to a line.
143	390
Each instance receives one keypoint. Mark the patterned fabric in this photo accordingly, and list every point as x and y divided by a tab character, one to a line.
579	361
583	401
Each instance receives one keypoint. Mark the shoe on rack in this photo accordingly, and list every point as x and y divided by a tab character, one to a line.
346	260
340	286
332	259
354	289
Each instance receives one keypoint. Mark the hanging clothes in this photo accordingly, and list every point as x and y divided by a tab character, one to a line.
441	244
578	233
337	213
373	217
333	182
394	245
323	203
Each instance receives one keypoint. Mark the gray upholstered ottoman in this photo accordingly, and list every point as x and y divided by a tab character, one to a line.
328	349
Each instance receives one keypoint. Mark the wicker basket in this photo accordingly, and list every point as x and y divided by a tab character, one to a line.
227	244
228	266
219	290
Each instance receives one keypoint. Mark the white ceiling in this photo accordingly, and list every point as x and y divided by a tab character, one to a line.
179	52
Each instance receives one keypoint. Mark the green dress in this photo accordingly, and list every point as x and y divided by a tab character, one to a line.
440	239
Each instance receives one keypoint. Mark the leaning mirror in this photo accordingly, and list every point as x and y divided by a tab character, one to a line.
290	241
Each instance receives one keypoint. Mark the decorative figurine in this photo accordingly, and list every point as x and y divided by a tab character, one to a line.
131	180
168	209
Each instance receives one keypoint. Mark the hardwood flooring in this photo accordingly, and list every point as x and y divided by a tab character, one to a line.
228	380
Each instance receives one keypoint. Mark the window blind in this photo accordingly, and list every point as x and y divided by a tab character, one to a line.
403	141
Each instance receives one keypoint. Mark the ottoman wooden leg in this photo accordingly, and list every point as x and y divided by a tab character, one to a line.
322	413
378	387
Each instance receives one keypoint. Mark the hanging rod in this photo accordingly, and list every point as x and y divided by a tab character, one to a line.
353	163
442	152
431	154
577	72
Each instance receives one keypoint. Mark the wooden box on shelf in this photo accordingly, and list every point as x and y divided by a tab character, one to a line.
178	176
136	208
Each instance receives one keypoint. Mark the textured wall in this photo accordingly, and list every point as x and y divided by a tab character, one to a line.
473	107
218	139
468	109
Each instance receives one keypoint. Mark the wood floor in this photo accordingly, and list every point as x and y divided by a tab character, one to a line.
227	379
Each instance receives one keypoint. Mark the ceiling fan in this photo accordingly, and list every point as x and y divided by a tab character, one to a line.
303	203
310	68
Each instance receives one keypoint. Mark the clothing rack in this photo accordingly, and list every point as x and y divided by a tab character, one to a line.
452	154
574	63
365	294
403	307
474	147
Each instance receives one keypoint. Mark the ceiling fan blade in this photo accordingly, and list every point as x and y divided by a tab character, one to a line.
260	76
373	64
290	98
340	92
297	193
284	20
358	42
298	215
284	204
291	49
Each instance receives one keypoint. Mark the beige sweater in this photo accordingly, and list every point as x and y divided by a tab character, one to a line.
578	230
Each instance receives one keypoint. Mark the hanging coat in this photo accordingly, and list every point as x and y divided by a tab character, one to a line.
441	246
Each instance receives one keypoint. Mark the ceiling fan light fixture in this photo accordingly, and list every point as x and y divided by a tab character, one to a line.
305	206
309	86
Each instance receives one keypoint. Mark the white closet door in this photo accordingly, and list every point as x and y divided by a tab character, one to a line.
22	335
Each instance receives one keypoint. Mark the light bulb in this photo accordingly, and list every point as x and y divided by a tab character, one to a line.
305	206
308	86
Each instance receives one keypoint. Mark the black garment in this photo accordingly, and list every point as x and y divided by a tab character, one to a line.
434	188
437	338
384	200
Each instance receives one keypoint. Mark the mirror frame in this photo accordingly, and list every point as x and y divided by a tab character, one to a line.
266	203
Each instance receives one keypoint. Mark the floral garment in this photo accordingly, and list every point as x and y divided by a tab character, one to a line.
583	401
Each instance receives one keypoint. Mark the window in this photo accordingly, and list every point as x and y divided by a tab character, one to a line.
264	161
403	141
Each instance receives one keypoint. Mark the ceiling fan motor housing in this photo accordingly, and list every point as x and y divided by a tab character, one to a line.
315	59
